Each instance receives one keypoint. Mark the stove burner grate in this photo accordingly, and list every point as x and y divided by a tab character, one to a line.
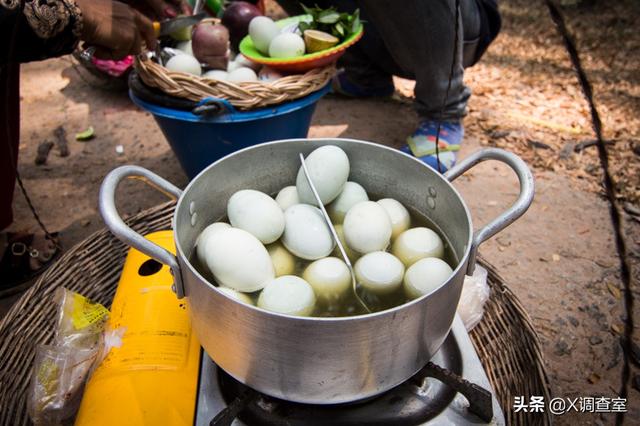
409	403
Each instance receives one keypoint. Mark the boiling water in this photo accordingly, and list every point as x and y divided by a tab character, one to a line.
349	305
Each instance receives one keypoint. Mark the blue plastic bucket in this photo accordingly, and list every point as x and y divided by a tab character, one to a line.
217	129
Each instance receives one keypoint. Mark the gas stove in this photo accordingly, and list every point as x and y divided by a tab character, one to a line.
422	400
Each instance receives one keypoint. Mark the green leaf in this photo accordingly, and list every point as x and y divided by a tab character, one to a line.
356	21
303	26
307	10
328	17
85	135
339	29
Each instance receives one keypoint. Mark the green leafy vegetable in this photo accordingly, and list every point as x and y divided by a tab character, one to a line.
340	25
85	135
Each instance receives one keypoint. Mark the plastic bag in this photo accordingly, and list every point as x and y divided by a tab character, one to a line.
61	369
475	293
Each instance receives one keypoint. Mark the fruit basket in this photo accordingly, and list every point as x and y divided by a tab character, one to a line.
245	95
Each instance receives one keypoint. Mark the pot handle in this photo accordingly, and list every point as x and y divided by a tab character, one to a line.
517	209
111	217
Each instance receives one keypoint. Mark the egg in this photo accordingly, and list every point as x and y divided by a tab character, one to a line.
242	61
289	295
417	243
185	47
241	297
262	30
305	232
287	197
257	213
352	255
238	260
329	277
216	75
286	45
379	272
425	276
269	74
328	168
352	193
283	262
398	214
242	74
204	236
184	63
232	66
367	227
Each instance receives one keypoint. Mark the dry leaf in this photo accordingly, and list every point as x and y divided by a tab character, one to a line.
593	378
614	290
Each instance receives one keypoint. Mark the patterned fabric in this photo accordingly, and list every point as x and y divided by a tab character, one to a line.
422	144
9	4
48	18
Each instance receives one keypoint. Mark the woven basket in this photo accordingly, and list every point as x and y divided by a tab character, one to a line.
245	95
505	339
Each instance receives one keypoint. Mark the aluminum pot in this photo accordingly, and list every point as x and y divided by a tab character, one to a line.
318	360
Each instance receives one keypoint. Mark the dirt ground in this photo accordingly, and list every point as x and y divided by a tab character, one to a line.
559	258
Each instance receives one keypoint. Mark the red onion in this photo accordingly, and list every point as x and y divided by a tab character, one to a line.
210	44
236	18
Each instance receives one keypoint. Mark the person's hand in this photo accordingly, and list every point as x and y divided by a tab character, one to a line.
169	8
114	28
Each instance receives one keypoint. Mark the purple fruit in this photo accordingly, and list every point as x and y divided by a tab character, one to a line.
236	18
210	44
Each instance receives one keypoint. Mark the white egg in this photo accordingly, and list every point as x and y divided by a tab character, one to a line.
184	63
262	30
328	168
185	47
306	234
232	66
238	260
283	262
287	197
425	276
379	272
269	74
242	61
204	236
329	277
288	295
241	297
367	227
398	214
352	255
257	213
286	45
241	74
216	75
415	244
352	193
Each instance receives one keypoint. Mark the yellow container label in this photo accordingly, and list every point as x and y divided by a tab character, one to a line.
86	313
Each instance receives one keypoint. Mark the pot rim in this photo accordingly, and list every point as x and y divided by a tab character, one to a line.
462	263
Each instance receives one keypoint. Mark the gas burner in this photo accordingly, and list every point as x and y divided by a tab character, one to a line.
424	399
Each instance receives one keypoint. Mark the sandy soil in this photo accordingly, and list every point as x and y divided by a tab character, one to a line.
559	258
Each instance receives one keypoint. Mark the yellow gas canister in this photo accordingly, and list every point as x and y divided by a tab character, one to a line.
152	377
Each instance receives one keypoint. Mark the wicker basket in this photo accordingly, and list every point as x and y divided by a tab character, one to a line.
245	95
505	339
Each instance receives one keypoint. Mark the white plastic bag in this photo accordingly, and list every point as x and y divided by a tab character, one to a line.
475	293
60	370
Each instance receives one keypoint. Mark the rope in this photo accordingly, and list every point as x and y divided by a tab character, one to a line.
614	212
12	44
